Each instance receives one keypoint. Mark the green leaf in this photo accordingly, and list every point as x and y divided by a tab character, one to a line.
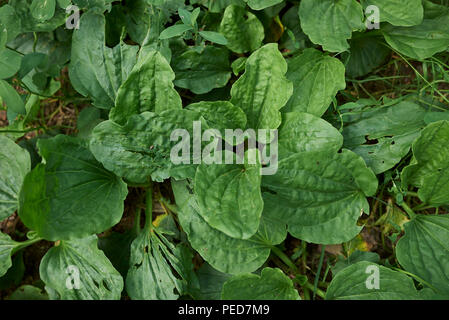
43	10
354	283
229	197
174	31
383	135
262	4
95	70
14	165
71	188
13	101
272	284
149	87
404	13
316	80
88	118
422	41
9	63
238	65
211	282
220	114
150	276
26	15
213	36
141	148
263	89
14	275
200	72
303	132
78	270
226	254
429	169
7	245
321	194
355	257
28	292
117	247
9	21
330	23
366	54
243	30
423	250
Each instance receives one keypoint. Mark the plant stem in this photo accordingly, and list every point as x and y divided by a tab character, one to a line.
25	244
149	207
317	275
407	209
285	259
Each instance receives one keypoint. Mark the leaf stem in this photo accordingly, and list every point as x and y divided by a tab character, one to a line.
407	209
149	207
317	275
25	244
285	259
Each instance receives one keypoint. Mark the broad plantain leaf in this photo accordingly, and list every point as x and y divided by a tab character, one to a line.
14	165
141	148
366	54
405	13
78	270
424	248
95	70
263	89
229	197
243	30
200	72
321	194
421	41
58	197
358	282
9	63
149	87
226	254
330	23
7	245
316	80
43	10
272	284
429	169
261	4
150	276
383	135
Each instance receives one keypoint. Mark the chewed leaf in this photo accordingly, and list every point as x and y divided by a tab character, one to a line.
150	276
78	270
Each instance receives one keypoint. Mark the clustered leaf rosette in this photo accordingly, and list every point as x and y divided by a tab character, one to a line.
138	74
